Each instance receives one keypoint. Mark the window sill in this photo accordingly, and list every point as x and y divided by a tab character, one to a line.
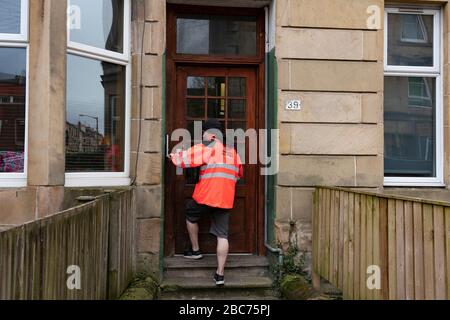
12	182
91	180
427	182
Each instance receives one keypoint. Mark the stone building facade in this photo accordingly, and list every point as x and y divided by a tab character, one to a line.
327	54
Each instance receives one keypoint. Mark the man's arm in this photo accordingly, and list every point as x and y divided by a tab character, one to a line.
241	171
195	156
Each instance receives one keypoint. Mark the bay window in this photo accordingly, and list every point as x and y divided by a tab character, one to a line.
97	115
13	92
413	125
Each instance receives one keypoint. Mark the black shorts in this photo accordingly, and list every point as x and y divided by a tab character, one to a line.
219	217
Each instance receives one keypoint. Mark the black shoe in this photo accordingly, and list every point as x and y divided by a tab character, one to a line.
194	255
220	280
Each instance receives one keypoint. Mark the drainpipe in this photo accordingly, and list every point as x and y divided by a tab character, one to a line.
266	213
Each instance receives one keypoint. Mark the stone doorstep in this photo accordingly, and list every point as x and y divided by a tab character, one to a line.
236	265
204	288
231	282
247	278
210	261
215	294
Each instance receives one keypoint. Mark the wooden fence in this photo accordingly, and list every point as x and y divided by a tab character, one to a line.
97	237
407	238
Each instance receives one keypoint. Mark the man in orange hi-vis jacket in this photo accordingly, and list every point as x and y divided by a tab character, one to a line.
220	169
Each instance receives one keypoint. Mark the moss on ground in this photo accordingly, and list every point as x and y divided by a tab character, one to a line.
141	289
295	287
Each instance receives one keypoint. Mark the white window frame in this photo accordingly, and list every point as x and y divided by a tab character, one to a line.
19	40
107	179
23	35
436	71
437	40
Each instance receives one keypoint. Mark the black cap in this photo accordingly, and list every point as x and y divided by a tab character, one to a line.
212	124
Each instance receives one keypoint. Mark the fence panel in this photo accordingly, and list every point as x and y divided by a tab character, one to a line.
97	237
406	239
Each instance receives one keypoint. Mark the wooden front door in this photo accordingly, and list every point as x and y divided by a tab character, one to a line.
228	94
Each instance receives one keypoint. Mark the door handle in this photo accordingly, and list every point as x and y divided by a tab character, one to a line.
179	170
167	146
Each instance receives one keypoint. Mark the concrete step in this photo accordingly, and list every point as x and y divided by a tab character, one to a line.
204	288
246	278
243	265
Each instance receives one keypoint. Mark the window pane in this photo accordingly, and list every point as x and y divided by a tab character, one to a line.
95	128
12	109
196	108
236	109
10	16
216	35
216	87
216	108
196	86
236	87
97	23
409	127
410	40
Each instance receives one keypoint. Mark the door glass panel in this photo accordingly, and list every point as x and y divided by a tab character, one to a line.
236	87
237	144
190	128
216	35
195	108
216	87
237	125
196	86
236	109
216	108
410	40
410	132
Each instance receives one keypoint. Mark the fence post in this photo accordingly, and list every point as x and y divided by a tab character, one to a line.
113	248
315	277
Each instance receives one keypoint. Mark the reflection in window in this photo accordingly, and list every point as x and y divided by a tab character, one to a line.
196	86
95	128
413	28
410	136
101	24
216	35
419	92
12	109
10	16
410	40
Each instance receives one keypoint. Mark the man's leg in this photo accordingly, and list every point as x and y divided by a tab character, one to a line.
222	254
193	234
219	228
193	214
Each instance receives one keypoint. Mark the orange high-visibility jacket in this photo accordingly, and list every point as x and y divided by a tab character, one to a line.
220	170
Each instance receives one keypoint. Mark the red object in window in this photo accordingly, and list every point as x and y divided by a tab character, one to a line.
113	157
